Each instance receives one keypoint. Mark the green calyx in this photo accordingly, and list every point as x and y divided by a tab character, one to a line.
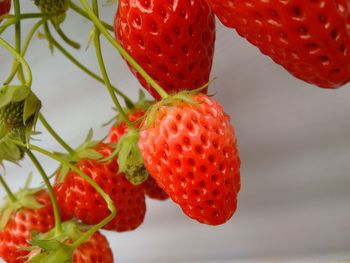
130	161
19	109
24	199
55	247
141	104
84	151
181	97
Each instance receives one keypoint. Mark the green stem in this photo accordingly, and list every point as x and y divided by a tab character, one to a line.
105	74
122	51
56	211
66	39
81	11
83	68
55	135
104	195
17	8
20	59
24	49
10	194
13	20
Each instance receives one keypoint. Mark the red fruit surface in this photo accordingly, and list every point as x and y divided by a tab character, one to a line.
153	191
95	250
191	151
77	198
151	188
5	7
173	41
121	128
311	39
18	229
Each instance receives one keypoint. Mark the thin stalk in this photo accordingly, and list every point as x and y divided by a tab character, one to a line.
56	211
10	194
13	20
122	51
105	74
17	8
82	67
104	195
18	56
55	135
66	39
81	11
24	49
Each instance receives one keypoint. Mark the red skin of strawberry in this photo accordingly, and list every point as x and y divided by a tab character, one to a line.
311	39
77	198
95	250
151	188
121	128
153	191
173	41
191	151
5	7
17	231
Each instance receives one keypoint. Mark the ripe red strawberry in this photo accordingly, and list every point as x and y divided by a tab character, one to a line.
151	188
190	149
17	230
120	128
311	39
153	191
77	198
173	41
95	250
5	6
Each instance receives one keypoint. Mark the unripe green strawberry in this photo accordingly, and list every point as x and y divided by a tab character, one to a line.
11	116
52	6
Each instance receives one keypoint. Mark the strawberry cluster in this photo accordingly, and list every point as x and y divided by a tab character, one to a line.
180	146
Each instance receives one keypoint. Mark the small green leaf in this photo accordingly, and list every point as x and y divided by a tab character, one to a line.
13	94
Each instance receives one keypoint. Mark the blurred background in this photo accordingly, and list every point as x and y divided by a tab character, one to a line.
294	141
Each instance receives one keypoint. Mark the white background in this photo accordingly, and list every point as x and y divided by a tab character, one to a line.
294	141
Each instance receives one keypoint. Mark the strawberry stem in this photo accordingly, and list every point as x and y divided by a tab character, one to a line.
122	51
81	11
13	20
104	195
17	8
66	39
10	194
56	211
55	135
18	56
104	71
24	49
80	65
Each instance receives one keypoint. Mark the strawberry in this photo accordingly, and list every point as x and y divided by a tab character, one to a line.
172	41
36	215
55	7
19	109
59	247
311	39
152	190
77	198
189	148
120	128
5	6
95	250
